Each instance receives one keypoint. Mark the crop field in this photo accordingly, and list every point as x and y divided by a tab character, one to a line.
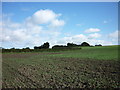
89	67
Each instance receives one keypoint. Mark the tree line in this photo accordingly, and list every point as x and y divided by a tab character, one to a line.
45	47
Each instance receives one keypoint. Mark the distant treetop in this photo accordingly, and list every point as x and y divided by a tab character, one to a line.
85	44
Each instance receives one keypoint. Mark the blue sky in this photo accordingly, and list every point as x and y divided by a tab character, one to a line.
33	23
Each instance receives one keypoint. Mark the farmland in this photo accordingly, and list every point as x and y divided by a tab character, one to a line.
95	67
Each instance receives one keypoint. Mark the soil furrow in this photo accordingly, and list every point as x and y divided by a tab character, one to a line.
31	82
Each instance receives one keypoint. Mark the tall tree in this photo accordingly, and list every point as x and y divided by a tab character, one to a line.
45	45
85	44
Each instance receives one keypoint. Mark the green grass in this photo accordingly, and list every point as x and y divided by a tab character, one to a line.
95	67
97	53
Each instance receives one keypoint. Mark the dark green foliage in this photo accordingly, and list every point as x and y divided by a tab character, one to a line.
27	48
60	47
71	45
36	47
13	48
98	45
63	48
85	44
44	46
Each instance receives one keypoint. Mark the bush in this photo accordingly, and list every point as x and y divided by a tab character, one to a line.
98	45
44	46
59	47
85	44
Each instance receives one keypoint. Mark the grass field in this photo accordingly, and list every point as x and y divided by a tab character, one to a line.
96	67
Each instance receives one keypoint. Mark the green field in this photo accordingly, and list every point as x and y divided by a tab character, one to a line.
96	67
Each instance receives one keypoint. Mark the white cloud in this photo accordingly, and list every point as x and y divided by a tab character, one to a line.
57	23
90	30
114	34
1	24
95	35
78	39
43	16
29	34
20	35
115	37
33	31
71	39
6	23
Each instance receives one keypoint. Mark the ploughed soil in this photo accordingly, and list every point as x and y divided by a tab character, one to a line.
59	72
24	55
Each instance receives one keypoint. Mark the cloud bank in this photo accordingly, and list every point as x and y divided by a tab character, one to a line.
31	31
45	26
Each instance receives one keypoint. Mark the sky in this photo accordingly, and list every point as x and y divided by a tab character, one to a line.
60	0
29	24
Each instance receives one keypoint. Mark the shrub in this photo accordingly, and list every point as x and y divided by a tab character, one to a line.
85	44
